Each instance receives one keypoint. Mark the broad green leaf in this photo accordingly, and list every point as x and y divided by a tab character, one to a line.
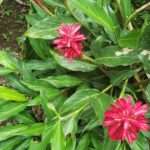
40	65
144	39
103	3
35	145
144	58
10	144
39	11
8	61
38	85
35	101
93	123
63	81
74	65
101	15
120	146
21	130
70	143
57	139
47	28
49	109
109	144
113	58
24	145
25	118
5	71
46	135
140	144
54	3
10	109
80	16
147	92
129	39
84	142
100	105
11	95
79	99
125	8
14	82
95	140
69	125
120	76
44	29
41	47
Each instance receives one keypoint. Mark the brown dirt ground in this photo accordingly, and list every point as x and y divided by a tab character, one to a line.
12	23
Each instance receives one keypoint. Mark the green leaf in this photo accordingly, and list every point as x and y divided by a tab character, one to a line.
25	118
14	82
147	92
95	140
39	85
144	39
100	105
112	59
129	39
54	3
125	8
80	16
120	76
46	136
79	99
48	64
140	144
74	65
47	28
104	16
10	109
8	61
109	144
35	145
84	142
69	125
71	143
57	139
63	81
145	61
41	47
24	145
10	143
11	95
21	130
5	71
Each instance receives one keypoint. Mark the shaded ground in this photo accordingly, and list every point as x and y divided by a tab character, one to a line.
12	23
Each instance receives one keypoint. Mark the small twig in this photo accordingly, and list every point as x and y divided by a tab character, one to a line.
137	11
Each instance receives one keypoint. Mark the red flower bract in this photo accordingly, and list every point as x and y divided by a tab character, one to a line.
69	42
125	120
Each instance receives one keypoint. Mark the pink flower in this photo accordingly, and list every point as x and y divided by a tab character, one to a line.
125	120
69	42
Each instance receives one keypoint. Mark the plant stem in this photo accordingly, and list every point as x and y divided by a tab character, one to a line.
85	57
107	88
123	89
137	11
40	3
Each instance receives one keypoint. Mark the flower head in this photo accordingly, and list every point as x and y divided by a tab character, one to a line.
69	42
125	120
